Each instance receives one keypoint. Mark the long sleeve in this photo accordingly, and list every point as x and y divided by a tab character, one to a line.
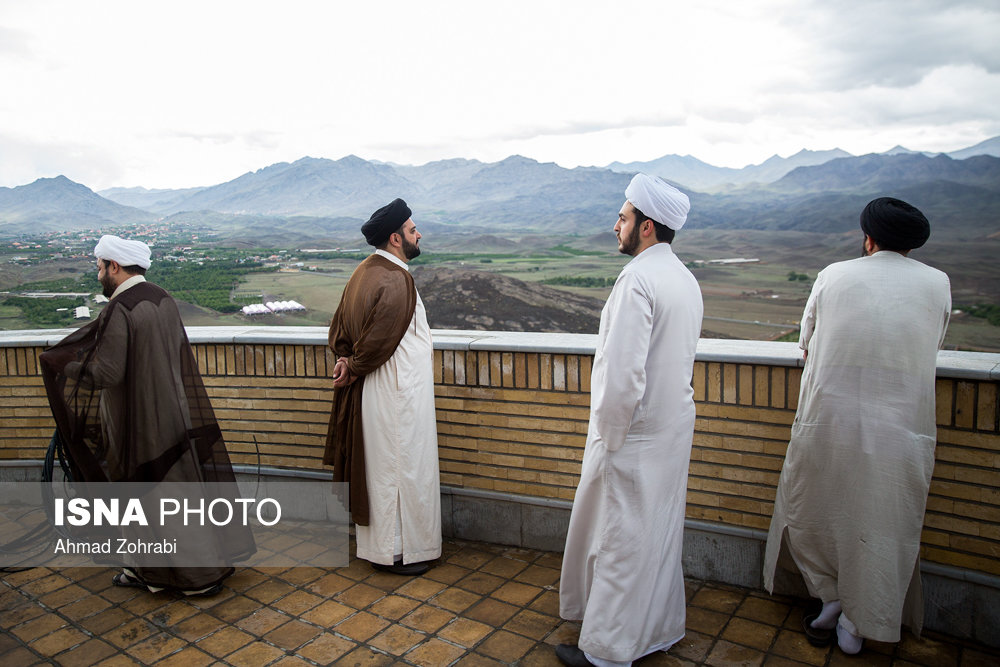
625	349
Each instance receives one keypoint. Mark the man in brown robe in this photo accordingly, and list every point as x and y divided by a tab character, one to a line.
130	406
382	438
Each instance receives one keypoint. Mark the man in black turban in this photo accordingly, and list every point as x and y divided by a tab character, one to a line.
382	438
851	497
894	225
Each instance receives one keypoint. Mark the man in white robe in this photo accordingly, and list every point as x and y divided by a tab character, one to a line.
621	573
851	497
390	459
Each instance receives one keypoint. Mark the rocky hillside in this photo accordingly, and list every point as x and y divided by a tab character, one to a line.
465	299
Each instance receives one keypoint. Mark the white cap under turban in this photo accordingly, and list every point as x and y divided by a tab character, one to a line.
123	251
659	200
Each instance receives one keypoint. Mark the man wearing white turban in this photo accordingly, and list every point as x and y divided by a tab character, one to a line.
621	573
132	369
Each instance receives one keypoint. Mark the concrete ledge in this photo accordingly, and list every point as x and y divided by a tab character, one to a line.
951	364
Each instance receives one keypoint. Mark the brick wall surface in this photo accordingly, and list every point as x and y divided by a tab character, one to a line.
516	422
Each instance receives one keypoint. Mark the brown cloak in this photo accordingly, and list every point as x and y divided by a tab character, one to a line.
130	406
374	312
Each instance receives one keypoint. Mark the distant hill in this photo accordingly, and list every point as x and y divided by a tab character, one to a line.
699	175
466	299
52	204
321	199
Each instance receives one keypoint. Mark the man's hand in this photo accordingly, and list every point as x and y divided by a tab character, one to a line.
341	375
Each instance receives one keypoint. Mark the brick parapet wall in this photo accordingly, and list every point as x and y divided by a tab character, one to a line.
512	418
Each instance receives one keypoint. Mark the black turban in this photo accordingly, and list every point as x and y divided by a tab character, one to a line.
894	224
385	221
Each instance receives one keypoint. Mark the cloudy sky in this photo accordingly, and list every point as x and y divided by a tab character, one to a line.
176	94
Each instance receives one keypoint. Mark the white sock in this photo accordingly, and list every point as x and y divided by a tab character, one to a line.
847	636
828	617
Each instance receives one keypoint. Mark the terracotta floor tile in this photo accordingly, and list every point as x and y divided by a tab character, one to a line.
717	599
197	626
359	596
470	558
88	653
706	621
447	573
297	603
22	612
299	576
427	618
454	599
490	611
505	646
504	567
173	613
361	626
357	570
794	645
538	575
326	648
869	658
244	579
750	633
225	641
464	632
762	610
19	579
292	635
58	641
972	657
269	591
394	607
262	621
133	632
38	627
476	660
255	655
517	593
152	649
64	596
661	659
481	583
20	656
532	624
778	661
544	656
188	657
386	581
567	632
396	639
550	559
330	584
234	609
434	653
421	589
328	614
364	657
290	661
546	603
725	654
39	587
694	646
120	660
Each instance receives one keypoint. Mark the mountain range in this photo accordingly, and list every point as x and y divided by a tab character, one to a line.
316	198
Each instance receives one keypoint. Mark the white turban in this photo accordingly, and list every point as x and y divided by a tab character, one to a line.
658	200
125	252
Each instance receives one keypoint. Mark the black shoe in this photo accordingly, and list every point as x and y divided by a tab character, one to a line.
570	654
819	637
408	570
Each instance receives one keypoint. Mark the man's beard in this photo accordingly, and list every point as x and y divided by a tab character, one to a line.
628	245
410	250
107	285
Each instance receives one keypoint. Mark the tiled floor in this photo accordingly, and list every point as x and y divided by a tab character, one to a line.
482	605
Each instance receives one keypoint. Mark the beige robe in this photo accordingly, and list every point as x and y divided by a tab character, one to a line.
851	497
401	455
621	571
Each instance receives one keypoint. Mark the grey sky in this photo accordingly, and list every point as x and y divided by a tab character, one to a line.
182	93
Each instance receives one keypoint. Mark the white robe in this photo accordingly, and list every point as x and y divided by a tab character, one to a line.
401	455
853	488
621	570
